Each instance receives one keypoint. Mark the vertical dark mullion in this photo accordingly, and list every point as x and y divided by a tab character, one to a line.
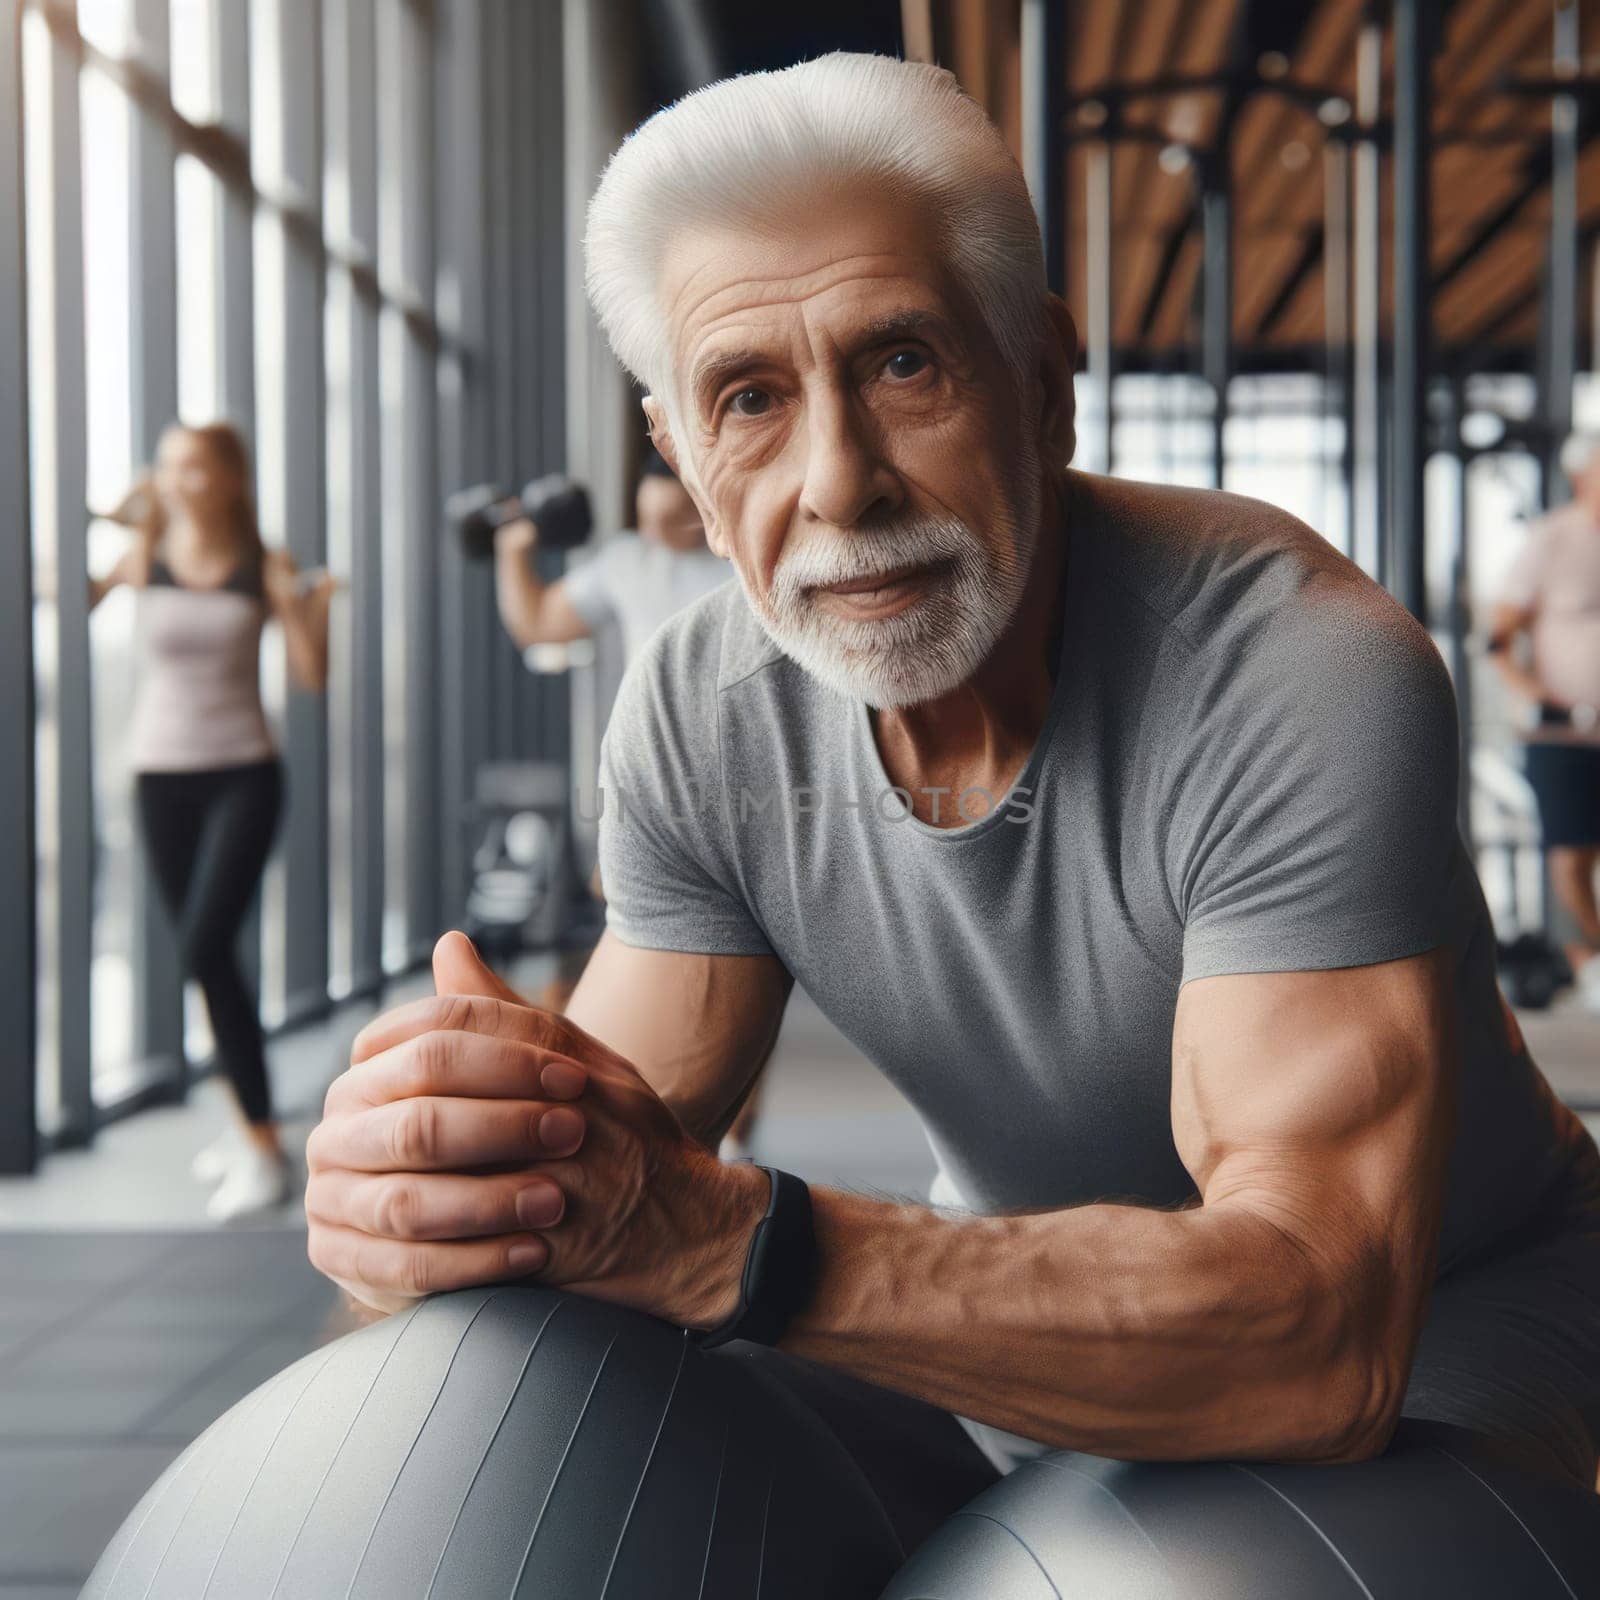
153	365
350	108
365	615
465	605
18	1107
233	262
507	69
299	492
234	259
547	272
421	497
58	308
366	608
1415	24
1559	322
481	644
525	696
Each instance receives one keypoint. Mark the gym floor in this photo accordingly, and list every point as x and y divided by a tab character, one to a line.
129	1322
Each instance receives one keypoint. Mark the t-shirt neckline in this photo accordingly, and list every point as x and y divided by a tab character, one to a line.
1029	771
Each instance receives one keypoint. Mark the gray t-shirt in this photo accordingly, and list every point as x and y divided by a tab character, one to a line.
639	583
1248	765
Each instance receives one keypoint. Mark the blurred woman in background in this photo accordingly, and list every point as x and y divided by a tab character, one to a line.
210	785
1544	637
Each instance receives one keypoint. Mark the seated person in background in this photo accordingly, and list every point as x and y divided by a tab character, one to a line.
638	582
1115	823
1551	597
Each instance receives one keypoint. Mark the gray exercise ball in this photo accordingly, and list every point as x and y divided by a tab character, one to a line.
1442	1515
507	1442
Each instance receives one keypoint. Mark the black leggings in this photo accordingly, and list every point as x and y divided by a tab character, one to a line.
207	835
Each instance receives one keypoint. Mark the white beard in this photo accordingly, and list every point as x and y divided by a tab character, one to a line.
937	642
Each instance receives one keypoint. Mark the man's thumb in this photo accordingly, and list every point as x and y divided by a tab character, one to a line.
459	969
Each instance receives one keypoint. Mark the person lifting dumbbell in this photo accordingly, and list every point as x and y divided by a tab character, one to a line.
638	581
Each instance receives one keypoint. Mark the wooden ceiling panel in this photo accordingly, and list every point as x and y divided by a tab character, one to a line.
1462	306
1171	328
1266	262
1485	217
1304	319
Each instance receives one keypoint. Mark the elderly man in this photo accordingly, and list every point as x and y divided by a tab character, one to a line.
1114	823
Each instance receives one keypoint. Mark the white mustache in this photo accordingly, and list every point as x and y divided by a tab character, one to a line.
826	559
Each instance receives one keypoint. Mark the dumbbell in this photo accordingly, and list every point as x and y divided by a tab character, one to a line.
557	506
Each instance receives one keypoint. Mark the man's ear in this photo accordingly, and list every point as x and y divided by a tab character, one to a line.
660	434
1058	360
661	438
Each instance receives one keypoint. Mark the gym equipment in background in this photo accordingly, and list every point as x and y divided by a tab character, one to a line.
1532	970
508	1444
1441	1515
526	892
556	504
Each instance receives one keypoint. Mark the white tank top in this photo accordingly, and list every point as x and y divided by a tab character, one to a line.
198	702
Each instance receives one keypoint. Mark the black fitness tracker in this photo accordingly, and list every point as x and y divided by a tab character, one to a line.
780	1272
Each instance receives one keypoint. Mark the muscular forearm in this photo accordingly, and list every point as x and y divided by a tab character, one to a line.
1113	1329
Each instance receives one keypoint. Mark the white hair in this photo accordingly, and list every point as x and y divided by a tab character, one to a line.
1578	453
750	148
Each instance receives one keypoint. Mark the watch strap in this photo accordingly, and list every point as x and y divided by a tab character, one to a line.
779	1271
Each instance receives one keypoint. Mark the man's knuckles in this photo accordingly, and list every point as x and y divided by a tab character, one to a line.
410	1134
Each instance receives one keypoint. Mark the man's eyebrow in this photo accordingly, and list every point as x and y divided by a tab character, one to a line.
898	325
717	368
710	373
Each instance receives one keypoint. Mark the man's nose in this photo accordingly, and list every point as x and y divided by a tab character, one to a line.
846	475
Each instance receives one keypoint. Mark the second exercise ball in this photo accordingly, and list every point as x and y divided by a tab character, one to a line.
503	1444
1441	1515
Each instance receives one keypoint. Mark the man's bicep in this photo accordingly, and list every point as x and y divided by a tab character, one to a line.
1324	1098
696	1026
561	621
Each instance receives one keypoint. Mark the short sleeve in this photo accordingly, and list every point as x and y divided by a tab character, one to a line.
1523	580
1315	823
666	858
590	586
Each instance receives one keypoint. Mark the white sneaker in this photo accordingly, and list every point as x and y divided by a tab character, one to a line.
211	1164
1586	980
255	1181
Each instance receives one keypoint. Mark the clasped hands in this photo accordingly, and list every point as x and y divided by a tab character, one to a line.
477	1139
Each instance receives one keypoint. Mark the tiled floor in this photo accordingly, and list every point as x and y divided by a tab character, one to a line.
116	1349
127	1323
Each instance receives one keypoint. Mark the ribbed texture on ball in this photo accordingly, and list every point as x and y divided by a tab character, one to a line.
511	1443
1439	1517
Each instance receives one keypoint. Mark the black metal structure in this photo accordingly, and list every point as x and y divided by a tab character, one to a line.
1044	92
1415	36
18	1139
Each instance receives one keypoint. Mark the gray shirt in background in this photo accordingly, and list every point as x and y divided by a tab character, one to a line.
638	583
1249	764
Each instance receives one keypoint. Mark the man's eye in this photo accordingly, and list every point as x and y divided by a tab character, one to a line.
905	363
759	399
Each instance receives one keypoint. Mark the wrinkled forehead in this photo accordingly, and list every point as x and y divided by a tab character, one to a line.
848	266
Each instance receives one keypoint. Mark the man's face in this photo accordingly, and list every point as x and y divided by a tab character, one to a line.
860	450
668	515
